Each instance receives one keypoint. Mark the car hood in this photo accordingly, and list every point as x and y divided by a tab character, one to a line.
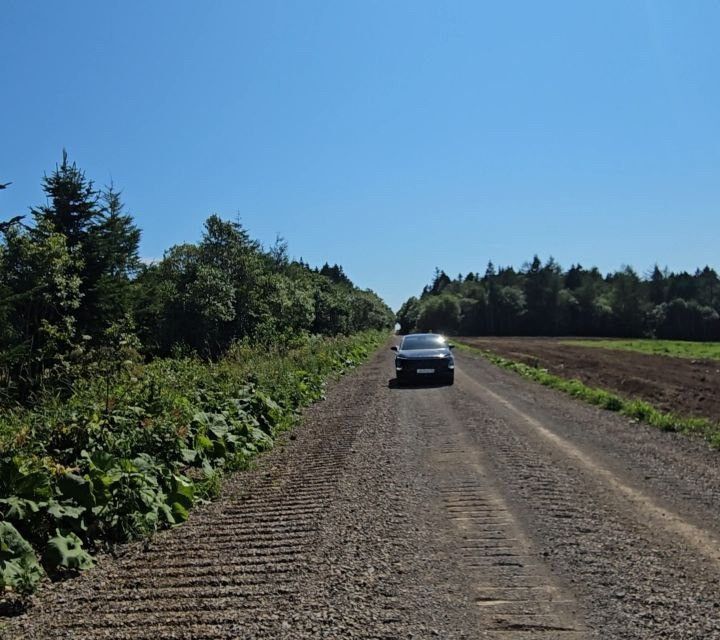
413	354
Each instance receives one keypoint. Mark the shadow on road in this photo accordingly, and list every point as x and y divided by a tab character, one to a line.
394	383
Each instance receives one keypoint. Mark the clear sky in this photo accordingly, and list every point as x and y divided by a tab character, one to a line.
388	136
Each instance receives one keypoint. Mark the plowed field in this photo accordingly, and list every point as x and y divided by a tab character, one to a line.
677	385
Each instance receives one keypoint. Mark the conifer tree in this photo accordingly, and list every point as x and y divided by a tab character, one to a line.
72	207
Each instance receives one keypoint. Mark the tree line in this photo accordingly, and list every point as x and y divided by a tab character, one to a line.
543	299
73	290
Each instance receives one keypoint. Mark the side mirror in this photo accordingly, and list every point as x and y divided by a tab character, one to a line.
451	346
393	348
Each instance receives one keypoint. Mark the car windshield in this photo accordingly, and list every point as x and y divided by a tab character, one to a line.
410	343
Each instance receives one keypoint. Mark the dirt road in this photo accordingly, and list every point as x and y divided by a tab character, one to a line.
491	509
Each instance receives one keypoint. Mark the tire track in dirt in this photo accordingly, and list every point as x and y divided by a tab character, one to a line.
465	512
330	537
236	567
514	593
636	574
647	510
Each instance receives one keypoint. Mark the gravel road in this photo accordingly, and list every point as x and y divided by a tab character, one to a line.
494	508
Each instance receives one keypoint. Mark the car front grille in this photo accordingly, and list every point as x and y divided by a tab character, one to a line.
439	364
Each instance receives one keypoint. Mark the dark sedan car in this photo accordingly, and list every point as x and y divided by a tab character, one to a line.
423	356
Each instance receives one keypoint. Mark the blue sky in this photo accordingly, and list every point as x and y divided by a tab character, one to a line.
391	137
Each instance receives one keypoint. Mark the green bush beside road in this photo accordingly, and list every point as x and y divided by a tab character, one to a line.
122	458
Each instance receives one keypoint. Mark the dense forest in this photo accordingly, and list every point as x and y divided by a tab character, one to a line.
73	288
543	299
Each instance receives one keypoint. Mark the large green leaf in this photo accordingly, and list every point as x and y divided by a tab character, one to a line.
65	550
12	544
179	511
34	485
60	511
101	460
203	444
19	509
19	567
218	426
77	488
21	574
183	491
188	455
20	479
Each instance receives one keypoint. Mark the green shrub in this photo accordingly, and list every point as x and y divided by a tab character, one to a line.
19	567
112	463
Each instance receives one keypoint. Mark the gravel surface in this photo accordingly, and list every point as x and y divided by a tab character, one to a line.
627	514
491	509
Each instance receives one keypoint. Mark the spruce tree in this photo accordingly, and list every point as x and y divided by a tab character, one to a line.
101	237
111	260
73	206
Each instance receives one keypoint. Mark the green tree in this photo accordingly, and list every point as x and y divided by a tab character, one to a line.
407	316
111	261
41	295
510	309
439	314
708	287
332	309
73	204
542	284
472	316
101	237
657	286
628	303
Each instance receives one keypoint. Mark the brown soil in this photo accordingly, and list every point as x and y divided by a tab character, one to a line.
677	385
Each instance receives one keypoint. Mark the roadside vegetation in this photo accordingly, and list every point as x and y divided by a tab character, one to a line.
542	299
636	409
672	348
128	389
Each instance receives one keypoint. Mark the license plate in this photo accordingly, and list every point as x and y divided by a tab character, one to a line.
426	370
